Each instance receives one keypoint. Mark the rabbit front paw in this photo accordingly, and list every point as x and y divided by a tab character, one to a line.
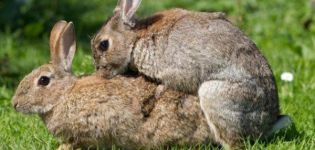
159	91
65	147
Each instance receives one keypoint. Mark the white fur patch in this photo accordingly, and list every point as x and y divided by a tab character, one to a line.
41	109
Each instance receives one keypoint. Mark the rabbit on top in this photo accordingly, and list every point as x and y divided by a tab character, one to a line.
199	53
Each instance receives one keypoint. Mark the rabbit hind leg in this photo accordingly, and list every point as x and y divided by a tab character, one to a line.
219	103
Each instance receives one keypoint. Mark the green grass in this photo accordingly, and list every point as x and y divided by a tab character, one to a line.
276	26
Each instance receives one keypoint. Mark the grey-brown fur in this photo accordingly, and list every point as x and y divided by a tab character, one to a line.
97	112
181	48
199	53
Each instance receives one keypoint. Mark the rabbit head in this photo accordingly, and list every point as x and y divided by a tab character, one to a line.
112	45
40	90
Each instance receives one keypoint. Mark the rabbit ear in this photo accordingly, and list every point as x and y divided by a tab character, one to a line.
63	45
127	9
55	33
118	6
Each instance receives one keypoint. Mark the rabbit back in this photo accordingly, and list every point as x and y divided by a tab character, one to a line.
187	48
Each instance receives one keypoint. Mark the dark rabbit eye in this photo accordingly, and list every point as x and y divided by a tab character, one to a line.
104	45
43	81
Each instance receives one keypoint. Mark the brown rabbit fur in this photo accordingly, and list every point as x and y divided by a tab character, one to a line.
119	116
95	112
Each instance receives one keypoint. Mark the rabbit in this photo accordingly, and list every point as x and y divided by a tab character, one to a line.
95	112
92	111
199	53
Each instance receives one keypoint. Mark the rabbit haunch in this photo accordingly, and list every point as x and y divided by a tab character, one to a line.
182	49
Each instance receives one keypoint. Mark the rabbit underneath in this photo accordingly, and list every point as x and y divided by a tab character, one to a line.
94	112
193	52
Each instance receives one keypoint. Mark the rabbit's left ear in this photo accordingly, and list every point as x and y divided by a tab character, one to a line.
127	10
64	46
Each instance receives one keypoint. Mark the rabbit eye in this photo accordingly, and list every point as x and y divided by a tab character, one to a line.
43	81
104	45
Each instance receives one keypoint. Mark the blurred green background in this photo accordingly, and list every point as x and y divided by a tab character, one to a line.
284	30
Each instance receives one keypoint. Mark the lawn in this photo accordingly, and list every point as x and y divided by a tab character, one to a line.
280	28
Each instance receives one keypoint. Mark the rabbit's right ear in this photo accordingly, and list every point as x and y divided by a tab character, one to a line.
127	10
62	45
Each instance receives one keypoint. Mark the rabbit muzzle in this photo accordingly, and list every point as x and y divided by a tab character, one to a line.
106	71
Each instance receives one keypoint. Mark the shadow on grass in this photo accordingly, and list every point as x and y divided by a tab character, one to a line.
285	135
288	134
